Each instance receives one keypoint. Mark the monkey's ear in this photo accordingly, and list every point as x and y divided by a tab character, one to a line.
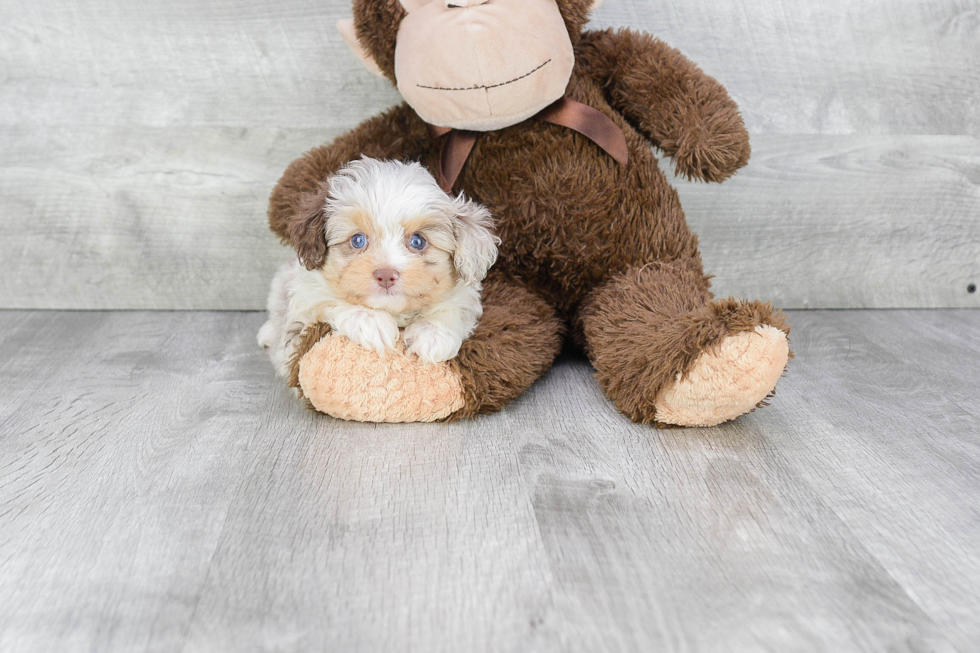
596	4
346	29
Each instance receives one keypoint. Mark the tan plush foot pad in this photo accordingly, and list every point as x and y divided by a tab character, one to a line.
726	381
344	380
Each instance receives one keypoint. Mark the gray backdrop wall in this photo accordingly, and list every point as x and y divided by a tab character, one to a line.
139	141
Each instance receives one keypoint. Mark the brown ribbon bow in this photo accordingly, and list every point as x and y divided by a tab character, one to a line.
590	122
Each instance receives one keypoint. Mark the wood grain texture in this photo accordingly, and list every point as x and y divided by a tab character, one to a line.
834	67
813	221
183	64
161	490
871	67
140	143
846	221
180	215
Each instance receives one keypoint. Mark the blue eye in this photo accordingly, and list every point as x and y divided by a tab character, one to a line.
358	241
417	242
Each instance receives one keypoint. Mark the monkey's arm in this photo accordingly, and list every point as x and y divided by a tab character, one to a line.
395	134
683	111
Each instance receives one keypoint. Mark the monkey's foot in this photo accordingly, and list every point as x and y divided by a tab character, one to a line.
345	380
727	380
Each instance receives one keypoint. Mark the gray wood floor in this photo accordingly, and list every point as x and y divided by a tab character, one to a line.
161	491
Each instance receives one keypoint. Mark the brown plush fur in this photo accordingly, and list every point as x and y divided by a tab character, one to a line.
585	241
515	342
665	311
376	22
309	338
670	101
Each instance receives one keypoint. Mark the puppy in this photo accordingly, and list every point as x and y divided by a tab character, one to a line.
403	260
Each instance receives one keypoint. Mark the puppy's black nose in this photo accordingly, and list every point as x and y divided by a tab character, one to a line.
386	277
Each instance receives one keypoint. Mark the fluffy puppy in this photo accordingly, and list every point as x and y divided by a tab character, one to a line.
401	254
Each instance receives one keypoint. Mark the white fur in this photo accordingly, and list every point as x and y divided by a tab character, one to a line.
390	193
438	332
281	331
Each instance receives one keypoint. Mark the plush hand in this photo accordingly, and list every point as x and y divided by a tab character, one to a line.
369	328
671	101
432	342
341	379
711	146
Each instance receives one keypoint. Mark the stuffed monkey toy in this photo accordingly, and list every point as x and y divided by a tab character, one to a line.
551	128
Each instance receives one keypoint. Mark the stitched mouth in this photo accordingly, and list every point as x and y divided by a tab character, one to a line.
475	88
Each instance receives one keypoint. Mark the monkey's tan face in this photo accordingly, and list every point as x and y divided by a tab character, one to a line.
482	65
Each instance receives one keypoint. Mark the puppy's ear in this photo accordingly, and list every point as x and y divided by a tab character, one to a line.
476	245
306	231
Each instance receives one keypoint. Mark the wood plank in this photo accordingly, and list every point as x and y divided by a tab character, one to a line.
160	489
183	63
141	217
882	420
167	218
122	438
833	67
846	222
873	67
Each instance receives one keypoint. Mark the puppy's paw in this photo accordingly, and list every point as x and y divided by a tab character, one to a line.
370	329
431	343
267	335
